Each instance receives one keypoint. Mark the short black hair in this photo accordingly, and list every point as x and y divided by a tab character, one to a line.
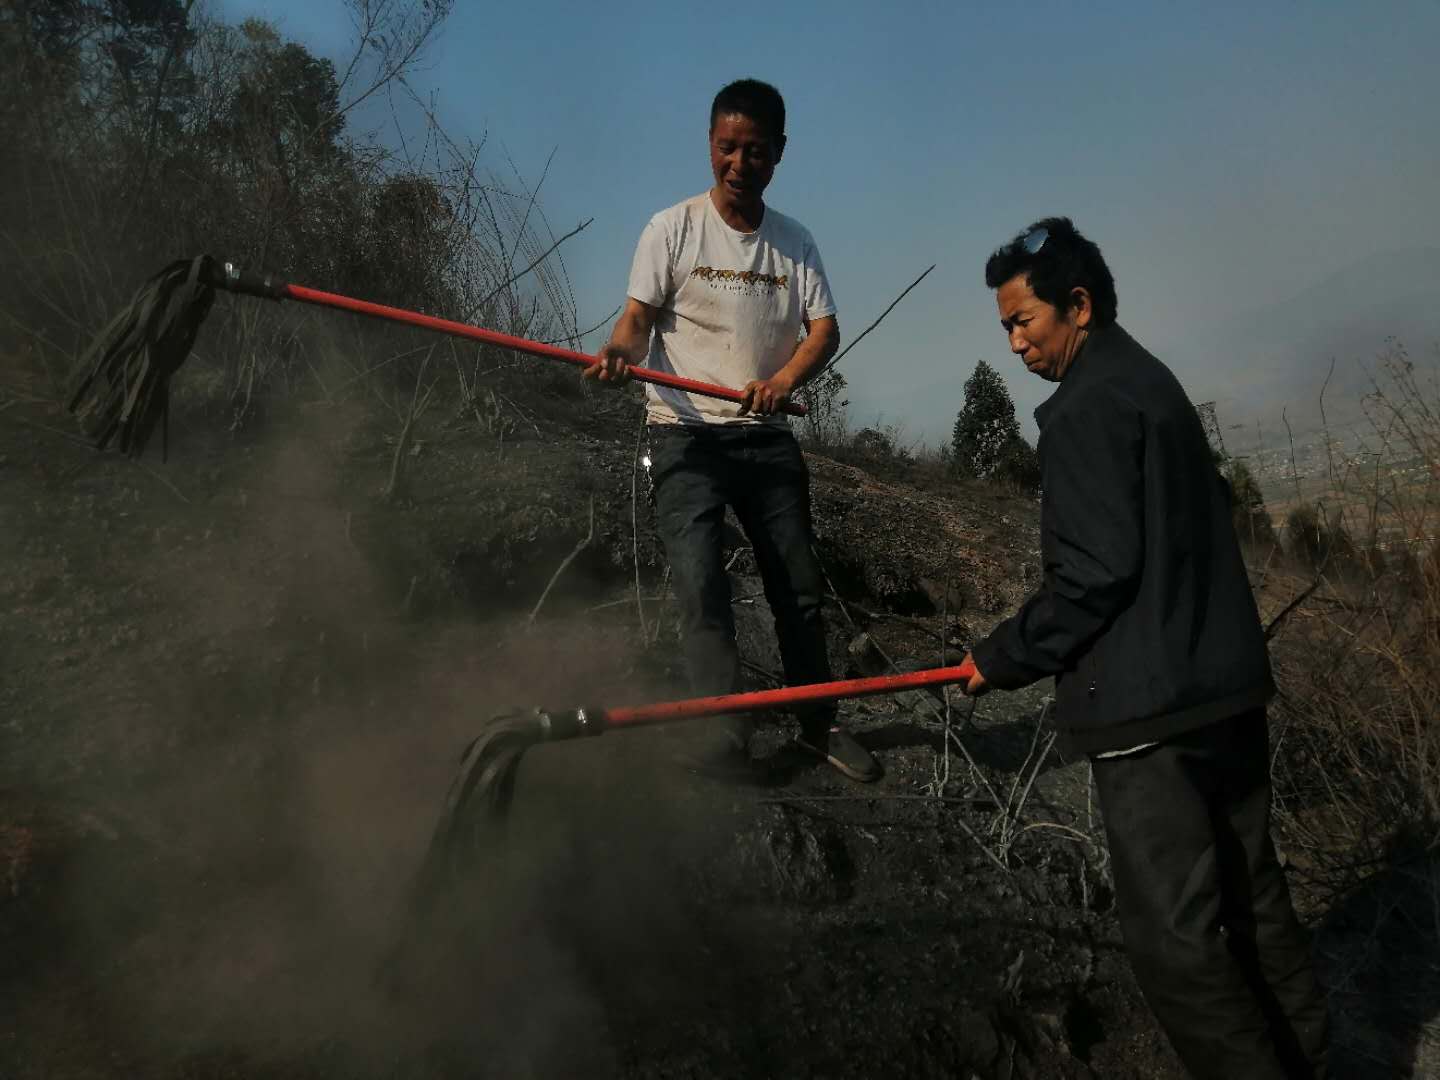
1065	261
758	100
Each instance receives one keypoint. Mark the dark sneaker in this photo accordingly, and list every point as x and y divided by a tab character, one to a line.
840	749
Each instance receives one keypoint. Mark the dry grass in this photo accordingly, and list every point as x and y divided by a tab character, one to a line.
1357	755
1356	726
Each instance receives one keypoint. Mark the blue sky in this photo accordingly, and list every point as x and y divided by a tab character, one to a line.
1226	157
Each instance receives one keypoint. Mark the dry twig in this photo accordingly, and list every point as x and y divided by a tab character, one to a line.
1284	613
533	264
861	336
1013	809
418	403
953	820
581	546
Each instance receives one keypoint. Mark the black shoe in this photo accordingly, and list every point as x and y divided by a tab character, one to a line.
840	749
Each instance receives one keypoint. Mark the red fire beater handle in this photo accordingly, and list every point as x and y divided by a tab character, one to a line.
786	696
506	341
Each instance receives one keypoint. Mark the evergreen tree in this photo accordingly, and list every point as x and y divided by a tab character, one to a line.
986	426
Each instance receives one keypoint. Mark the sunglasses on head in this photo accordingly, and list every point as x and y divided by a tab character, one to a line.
1035	239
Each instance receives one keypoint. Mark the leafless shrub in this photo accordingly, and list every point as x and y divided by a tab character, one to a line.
826	423
171	131
1357	747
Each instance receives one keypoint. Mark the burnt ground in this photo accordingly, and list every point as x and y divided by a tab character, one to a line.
235	688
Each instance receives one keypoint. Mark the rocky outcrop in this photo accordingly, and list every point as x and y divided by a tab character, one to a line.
962	550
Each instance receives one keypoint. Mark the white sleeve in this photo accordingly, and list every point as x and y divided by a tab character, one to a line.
819	303
650	276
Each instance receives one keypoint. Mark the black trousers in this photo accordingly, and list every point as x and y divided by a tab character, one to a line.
1206	914
758	470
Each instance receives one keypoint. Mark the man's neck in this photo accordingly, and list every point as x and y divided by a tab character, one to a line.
740	218
1075	353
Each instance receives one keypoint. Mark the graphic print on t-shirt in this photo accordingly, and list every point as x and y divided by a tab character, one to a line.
746	281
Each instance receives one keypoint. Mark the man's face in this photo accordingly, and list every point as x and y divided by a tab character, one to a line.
1044	339
743	156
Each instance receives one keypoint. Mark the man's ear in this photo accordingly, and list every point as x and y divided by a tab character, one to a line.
779	148
1081	305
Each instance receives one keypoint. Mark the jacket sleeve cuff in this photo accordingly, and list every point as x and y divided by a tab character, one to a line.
999	669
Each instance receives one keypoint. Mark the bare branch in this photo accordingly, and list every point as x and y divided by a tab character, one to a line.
575	338
529	206
1325	424
545	255
581	546
1284	613
399	37
839	356
953	819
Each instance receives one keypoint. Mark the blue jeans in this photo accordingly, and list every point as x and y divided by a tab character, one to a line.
757	470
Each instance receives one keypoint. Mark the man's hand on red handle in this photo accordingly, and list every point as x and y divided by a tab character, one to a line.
611	367
765	396
977	684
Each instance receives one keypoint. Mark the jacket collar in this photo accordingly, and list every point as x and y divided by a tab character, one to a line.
1100	346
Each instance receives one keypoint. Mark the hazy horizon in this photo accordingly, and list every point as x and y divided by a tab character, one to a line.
1230	162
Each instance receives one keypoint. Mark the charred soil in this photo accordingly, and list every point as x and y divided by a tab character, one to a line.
237	683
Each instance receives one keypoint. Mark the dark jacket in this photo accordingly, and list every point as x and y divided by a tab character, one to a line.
1144	615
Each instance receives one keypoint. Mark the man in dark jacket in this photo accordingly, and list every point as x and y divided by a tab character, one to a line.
1145	618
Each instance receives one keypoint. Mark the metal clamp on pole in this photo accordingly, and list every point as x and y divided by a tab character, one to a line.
571	723
230	277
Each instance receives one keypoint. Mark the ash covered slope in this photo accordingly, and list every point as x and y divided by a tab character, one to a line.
958	548
236	687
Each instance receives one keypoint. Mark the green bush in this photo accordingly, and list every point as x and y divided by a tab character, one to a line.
1018	467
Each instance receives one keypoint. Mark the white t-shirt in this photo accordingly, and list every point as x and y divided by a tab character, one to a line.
732	304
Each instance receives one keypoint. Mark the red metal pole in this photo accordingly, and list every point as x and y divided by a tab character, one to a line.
786	696
506	341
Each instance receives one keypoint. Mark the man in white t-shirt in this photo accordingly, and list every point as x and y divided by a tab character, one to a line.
720	290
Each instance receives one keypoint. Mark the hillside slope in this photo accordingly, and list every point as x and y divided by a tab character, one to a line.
235	687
